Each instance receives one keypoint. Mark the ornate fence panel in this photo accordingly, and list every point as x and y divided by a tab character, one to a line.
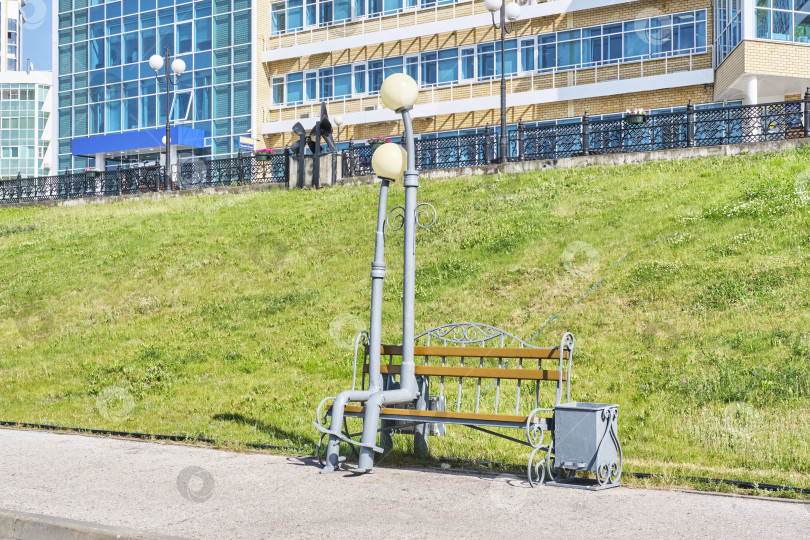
445	152
362	160
654	132
553	142
749	123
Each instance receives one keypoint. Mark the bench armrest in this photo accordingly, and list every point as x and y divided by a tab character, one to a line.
360	342
567	343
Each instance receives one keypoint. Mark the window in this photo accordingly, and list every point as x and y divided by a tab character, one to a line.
278	90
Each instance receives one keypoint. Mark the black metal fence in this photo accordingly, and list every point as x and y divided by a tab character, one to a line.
689	128
663	131
190	175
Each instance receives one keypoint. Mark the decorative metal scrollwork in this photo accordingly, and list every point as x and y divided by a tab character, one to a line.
609	473
396	216
425	210
536	472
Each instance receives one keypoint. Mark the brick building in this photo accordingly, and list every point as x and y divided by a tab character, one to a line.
563	58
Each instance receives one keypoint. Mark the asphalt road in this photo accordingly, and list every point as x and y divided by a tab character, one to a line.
167	489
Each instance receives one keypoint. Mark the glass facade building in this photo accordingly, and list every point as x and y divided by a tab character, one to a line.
11	21
25	135
106	86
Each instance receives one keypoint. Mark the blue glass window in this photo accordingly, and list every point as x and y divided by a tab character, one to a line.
131	114
486	60
97	54
295	88
468	63
131	48
202	103
166	38
448	66
429	69
148	20
184	39
114	51
148	44
527	55
148	110
204	35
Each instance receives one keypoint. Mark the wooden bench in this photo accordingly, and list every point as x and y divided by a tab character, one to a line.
495	380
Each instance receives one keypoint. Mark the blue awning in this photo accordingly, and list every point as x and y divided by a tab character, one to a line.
143	140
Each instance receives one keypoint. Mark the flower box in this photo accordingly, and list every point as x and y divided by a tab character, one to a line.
262	157
636	118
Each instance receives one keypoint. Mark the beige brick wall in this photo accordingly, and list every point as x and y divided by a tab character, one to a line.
762	58
531	113
474	36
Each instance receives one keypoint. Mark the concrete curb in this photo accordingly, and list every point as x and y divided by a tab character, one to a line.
24	526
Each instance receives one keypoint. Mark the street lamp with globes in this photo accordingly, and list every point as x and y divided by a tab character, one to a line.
509	14
178	67
338	122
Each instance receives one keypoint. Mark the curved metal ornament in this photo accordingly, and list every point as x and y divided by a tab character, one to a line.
396	216
465	333
608	474
425	210
536	472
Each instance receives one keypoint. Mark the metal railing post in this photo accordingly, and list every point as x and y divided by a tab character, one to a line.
807	113
487	146
521	134
69	182
586	135
350	158
302	150
118	179
287	154
19	187
690	124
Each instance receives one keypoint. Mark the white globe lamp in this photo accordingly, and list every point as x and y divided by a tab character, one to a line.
512	12
156	62
493	5
179	66
389	161
399	91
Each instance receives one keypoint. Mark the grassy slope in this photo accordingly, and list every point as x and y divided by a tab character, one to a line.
230	317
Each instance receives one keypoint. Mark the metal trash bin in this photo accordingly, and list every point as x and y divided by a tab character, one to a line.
586	439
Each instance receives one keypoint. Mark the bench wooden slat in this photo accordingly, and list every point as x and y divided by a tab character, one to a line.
477	373
446	415
551	353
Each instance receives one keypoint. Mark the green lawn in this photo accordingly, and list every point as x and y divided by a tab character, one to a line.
230	317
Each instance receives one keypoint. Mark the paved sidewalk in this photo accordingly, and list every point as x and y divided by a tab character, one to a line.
174	490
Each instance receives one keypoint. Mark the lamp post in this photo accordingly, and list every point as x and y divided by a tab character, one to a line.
508	13
390	163
338	122
178	66
399	93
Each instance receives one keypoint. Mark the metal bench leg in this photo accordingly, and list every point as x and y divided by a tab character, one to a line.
420	431
387	435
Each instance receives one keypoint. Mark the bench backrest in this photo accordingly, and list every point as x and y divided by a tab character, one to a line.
482	367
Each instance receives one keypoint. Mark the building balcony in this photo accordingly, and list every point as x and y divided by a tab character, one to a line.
406	23
542	87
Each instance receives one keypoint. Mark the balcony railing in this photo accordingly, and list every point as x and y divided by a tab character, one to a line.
378	22
490	87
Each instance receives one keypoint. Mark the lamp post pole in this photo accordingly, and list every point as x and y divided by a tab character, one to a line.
508	13
178	67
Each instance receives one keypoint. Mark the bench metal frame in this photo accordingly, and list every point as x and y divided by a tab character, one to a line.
466	341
